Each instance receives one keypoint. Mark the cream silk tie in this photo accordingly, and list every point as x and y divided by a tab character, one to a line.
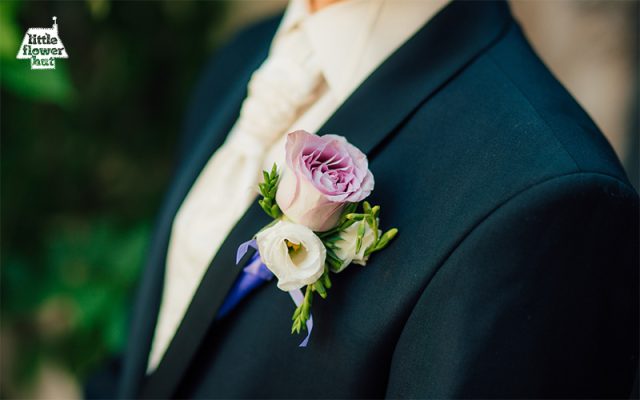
285	84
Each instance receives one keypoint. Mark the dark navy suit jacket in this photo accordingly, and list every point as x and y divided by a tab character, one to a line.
515	273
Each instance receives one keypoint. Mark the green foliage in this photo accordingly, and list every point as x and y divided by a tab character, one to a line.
302	312
87	151
52	85
333	263
10	35
382	242
370	216
80	294
268	190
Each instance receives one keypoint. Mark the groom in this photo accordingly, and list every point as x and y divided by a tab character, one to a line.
515	273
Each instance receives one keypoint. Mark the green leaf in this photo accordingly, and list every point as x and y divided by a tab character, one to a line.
361	230
265	208
334	266
326	280
268	190
386	238
332	256
302	313
297	325
375	211
373	224
296	313
319	287
332	239
347	224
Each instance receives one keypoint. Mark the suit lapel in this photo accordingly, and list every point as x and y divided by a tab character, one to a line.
369	117
209	296
417	70
147	303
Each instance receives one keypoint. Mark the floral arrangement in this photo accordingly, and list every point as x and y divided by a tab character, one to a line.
321	221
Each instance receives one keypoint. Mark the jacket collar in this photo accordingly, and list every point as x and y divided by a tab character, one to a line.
417	70
369	117
351	38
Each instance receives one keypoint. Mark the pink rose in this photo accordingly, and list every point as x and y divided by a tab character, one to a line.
323	174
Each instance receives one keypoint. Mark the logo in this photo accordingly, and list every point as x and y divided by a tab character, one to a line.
42	46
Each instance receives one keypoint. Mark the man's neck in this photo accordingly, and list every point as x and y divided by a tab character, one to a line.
317	5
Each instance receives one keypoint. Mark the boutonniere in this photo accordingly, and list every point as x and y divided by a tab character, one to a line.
321	221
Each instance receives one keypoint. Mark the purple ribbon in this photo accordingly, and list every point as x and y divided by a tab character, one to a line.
255	273
244	247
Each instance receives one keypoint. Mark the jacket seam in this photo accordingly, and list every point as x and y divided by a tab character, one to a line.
535	110
514	197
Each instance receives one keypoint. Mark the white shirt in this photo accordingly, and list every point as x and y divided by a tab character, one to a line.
349	39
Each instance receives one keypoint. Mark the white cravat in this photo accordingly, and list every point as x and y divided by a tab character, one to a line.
316	61
288	81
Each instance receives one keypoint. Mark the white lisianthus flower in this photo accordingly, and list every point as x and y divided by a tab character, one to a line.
347	246
293	253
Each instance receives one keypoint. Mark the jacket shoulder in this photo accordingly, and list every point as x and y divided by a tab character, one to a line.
519	70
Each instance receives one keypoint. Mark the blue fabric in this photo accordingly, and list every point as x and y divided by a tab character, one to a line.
250	279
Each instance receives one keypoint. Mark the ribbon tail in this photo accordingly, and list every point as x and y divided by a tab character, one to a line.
298	297
244	248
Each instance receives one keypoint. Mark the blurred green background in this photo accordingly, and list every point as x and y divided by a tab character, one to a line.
87	150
